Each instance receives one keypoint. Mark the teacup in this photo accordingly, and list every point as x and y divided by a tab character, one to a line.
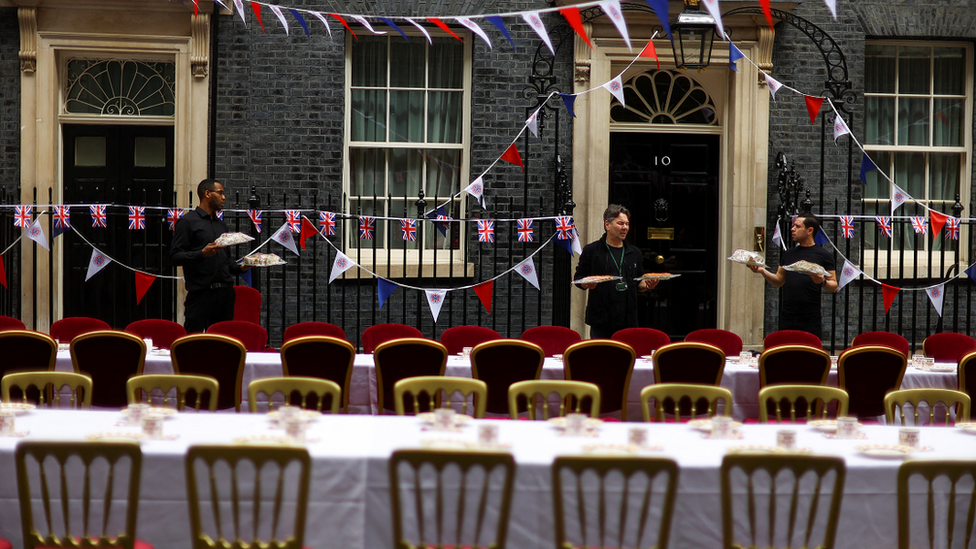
847	427
909	436
7	423
136	411
152	425
786	439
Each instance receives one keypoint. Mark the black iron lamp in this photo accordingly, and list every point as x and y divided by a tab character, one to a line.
693	30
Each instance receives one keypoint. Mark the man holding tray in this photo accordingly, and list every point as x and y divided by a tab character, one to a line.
801	290
207	269
612	305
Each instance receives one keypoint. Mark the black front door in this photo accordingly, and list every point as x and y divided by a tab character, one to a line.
670	184
120	166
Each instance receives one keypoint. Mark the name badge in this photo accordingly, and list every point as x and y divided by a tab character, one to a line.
622	286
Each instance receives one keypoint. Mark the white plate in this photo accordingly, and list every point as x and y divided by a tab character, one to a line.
826	425
754	449
17	407
705	425
942	369
596	279
232	239
161	411
159	352
117	435
968	427
560	422
812	268
430	417
610	449
884	451
747	258
859	435
657	276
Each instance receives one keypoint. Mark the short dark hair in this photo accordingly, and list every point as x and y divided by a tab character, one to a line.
614	210
809	220
206	185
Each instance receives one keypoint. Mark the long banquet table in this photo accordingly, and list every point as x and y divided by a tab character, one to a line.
349	501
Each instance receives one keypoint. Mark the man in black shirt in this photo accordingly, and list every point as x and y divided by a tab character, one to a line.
207	270
801	292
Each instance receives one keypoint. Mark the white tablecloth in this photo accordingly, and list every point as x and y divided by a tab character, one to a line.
349	504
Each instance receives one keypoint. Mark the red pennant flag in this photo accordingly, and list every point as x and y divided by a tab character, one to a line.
813	106
344	24
889	293
649	51
512	155
443	27
143	282
572	16
767	13
484	293
196	8
257	13
938	221
3	273
307	230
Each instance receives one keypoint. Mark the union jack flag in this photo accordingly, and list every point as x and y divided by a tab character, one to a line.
220	215
884	225
486	231
137	218
564	227
294	220
99	219
847	226
327	223
173	215
366	227
255	216
22	216
920	225
62	217
952	228
525	230
409	229
443	222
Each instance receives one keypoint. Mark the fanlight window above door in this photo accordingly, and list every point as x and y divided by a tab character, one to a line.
664	97
119	87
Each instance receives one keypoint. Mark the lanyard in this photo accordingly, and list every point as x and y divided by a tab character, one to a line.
620	265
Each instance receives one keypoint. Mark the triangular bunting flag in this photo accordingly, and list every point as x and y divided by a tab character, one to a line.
938	221
344	24
821	237
971	272
62	220
384	289
443	26
527	269
475	28
616	87
36	233
649	51
484	293
143	282
577	246
500	25
813	106
325	22
935	296
97	262
435	299
286	238
611	9
477	190
246	278
281	17
716	13
239	4
569	99
255	216
660	8
840	128
533	122
832	6
533	20
889	293
308	230
848	273
572	16
512	155
867	165
341	264
898	198
767	13
734	55
257	13
3	273
773	85
301	21
778	236
394	26
362	21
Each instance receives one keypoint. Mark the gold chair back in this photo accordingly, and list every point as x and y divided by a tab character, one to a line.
943	495
606	363
439	392
45	474
895	402
49	386
398	359
200	386
585	526
435	494
213	355
25	350
320	389
664	394
805	489
809	400
572	395
263	503
320	356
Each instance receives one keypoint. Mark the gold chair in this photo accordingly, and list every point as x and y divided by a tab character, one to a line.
606	363
398	359
24	350
305	386
432	486
319	356
945	519
767	482
813	400
896	400
110	358
793	365
49	385
639	475
138	386
675	393
226	473
436	388
75	471
213	355
572	394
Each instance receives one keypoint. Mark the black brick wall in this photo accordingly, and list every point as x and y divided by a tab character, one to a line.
9	151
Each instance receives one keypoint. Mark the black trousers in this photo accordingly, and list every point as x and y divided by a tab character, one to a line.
604	332
206	307
804	323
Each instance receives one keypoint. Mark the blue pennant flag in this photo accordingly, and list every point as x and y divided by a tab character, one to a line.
246	278
301	21
971	271
569	99
394	26
820	238
384	289
661	9
442	227
500	25
734	55
566	244
867	165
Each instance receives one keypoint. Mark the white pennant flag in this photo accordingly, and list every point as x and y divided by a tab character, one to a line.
527	269
341	264
362	21
534	21
577	247
477	190
935	296
281	16
840	128
848	273
616	87
716	13
324	22
832	6
773	85
898	198
36	233
422	29
778	236
612	10
223	5
533	122
285	238
239	4
473	27
97	263
435	298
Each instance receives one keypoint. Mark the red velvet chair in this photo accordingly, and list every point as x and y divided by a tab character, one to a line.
109	358
502	362
23	350
885	339
791	337
67	329
607	364
162	332
247	304
303	329
381	333
966	374
868	373
11	323
553	339
689	362
948	346
253	336
642	340
323	357
459	337
723	339
213	355
402	358
793	365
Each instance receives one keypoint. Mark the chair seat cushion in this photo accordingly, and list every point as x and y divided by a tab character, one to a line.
4	544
